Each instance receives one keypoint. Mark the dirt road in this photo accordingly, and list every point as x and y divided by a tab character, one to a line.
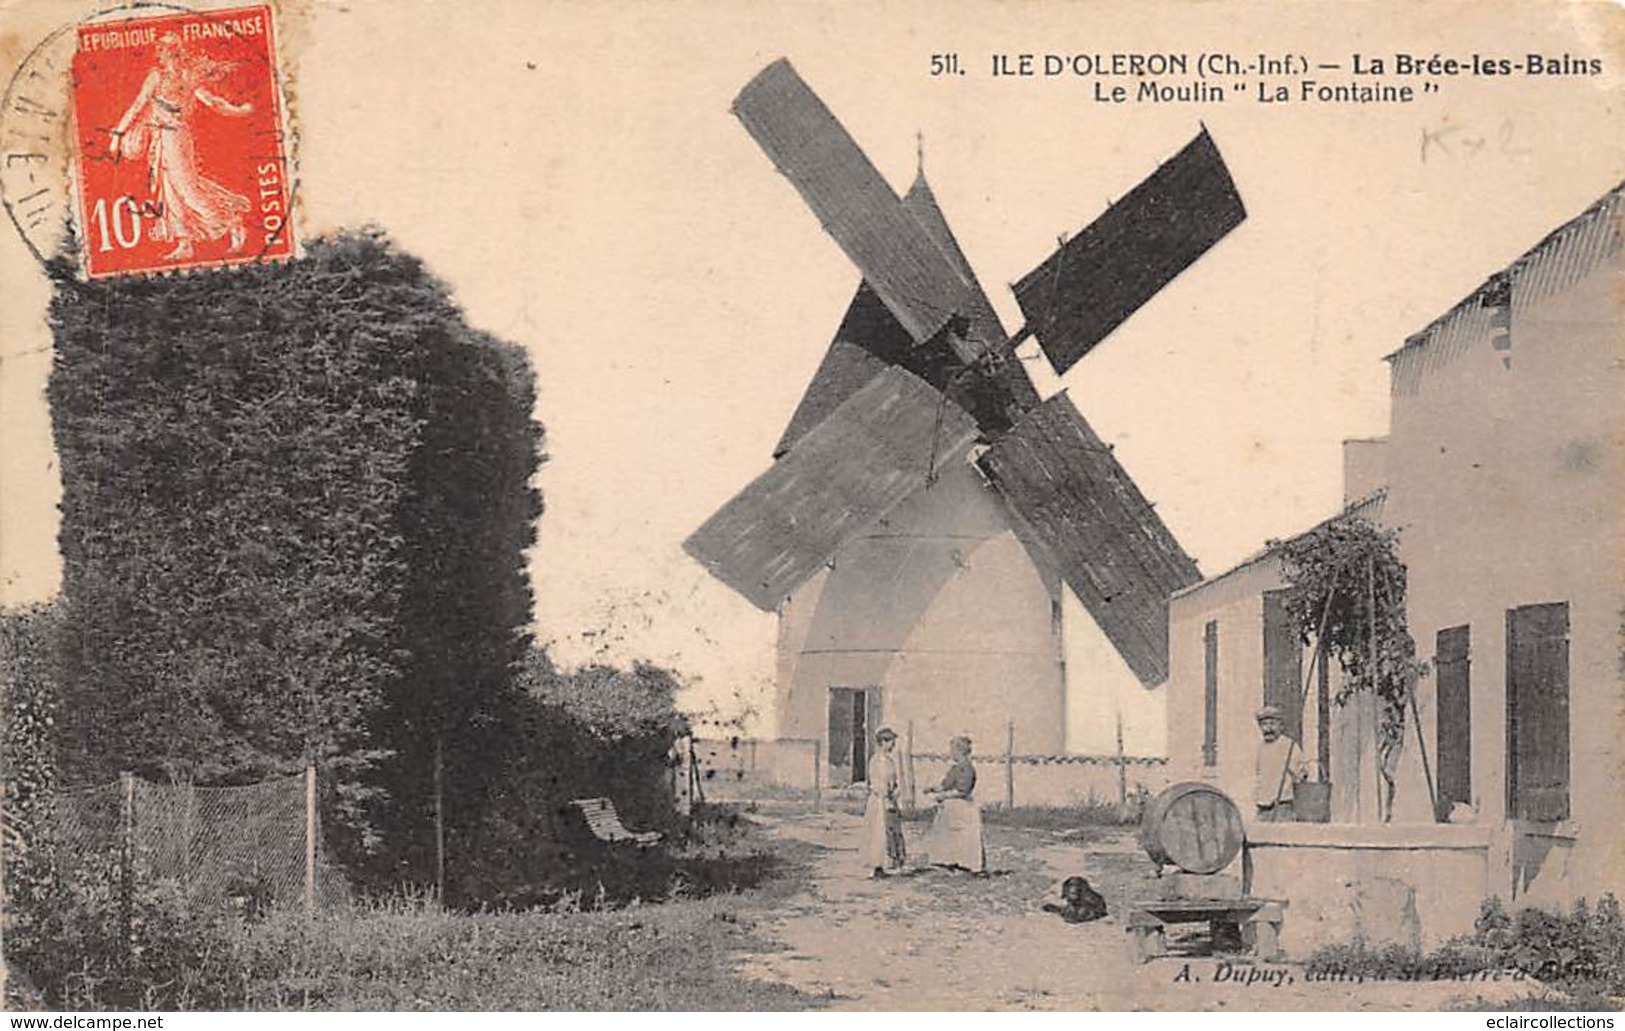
940	940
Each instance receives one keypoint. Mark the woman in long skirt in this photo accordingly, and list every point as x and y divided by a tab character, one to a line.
955	838
882	847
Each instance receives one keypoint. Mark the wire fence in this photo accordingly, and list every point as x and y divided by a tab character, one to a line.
751	769
258	844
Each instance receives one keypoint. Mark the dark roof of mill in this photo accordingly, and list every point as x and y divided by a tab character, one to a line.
1095	527
870	327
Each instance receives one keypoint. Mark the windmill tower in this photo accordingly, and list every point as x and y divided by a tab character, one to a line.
926	509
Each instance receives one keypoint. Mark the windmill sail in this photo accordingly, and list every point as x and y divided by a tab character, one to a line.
1091	522
870	337
856	205
1103	275
873	451
843	372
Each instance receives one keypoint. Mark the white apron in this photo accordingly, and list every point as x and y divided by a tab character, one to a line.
955	837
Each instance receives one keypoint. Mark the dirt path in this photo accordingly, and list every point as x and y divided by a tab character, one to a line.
939	940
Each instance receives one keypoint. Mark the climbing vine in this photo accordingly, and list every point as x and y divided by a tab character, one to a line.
1346	583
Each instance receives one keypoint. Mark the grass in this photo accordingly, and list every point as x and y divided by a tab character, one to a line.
1063	818
671	950
405	955
1548	1002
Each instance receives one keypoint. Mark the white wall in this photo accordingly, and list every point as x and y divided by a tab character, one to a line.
1100	689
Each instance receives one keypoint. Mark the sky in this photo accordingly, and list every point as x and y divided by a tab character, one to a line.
571	170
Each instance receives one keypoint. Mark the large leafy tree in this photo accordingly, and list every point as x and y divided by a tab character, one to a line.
296	501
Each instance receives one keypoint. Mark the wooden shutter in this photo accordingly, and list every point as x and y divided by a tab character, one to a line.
1283	664
1210	718
1538	712
1454	715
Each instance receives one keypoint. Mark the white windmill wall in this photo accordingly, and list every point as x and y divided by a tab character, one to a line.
940	607
1101	689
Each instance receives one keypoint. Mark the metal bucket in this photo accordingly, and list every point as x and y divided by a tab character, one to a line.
1312	801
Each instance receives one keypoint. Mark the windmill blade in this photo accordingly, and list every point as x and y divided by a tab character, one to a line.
873	451
870	337
1089	519
1103	275
845	370
855	204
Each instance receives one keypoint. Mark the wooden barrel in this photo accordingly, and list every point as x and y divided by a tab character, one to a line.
1192	826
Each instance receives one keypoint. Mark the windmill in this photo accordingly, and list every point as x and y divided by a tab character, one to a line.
923	491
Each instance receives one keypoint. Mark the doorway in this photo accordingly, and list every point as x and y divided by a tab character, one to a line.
854	716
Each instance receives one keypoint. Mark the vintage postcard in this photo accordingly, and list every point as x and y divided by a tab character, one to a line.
723	506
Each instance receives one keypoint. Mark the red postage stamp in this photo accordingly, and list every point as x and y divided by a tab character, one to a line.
179	145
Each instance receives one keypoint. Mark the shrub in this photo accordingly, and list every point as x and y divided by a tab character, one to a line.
30	700
1581	952
85	940
296	503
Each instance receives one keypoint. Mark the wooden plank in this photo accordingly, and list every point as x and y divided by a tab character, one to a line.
1100	277
1097	529
853	202
876	449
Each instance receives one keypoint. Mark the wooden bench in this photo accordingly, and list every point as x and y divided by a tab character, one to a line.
1258	919
605	823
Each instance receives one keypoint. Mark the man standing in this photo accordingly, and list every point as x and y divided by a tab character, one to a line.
882	849
1280	767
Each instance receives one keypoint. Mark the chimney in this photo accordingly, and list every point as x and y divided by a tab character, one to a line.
1365	467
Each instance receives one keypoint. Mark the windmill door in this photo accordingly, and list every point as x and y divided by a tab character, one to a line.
854	716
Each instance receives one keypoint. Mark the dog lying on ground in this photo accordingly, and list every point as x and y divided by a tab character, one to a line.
1082	902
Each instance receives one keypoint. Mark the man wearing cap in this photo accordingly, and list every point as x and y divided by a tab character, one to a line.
1280	767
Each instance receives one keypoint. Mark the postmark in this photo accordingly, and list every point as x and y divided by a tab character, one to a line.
150	139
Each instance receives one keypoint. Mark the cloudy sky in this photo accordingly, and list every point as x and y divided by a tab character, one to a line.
572	170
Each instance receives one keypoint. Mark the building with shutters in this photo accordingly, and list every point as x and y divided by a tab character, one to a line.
1503	470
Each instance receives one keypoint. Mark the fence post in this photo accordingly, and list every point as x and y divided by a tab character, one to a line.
126	781
818	773
188	831
439	823
1384	806
310	842
908	766
1009	764
1122	765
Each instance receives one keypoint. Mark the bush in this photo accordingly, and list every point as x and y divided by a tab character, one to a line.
296	504
79	948
85	941
1581	952
598	732
30	699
